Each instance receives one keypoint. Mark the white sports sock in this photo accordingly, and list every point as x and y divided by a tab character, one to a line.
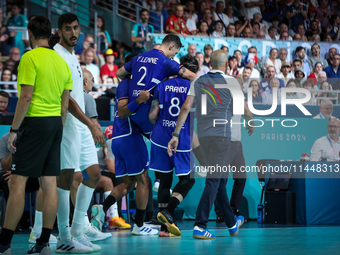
38	218
113	208
63	214
86	221
83	200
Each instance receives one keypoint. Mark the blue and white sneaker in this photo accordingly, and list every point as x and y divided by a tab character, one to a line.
201	233
97	216
143	231
239	222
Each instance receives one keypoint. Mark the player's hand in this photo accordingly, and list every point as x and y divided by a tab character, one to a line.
11	142
143	97
7	175
97	135
106	153
172	145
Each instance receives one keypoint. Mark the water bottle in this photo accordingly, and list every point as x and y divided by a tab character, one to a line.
260	214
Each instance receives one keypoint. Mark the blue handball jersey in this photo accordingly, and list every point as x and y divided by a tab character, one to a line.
123	127
171	95
147	71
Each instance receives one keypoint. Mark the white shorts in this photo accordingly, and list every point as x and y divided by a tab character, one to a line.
78	151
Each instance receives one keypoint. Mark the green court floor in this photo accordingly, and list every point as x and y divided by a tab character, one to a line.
252	239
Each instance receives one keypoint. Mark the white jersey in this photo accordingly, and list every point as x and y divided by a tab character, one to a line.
72	123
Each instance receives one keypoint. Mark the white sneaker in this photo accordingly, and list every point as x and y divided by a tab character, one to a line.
36	234
97	216
93	234
143	230
71	246
82	238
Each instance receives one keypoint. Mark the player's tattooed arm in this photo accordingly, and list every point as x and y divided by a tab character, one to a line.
187	74
122	73
154	110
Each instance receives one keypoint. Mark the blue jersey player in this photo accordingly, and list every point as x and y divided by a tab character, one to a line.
147	71
168	98
131	161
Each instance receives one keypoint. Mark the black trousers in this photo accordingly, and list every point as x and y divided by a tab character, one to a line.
215	150
235	159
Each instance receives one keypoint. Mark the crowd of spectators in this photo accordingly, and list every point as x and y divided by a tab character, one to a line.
272	20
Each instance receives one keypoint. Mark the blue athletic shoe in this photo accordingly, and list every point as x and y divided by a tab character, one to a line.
201	233
239	222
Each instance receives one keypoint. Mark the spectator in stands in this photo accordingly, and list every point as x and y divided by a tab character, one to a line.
257	17
285	74
270	75
122	51
176	24
13	61
140	31
171	7
4	101
333	29
325	86
247	32
331	53
6	76
327	148
231	31
89	55
313	76
208	18
327	38
219	15
155	16
267	95
201	8
259	66
233	66
326	109
89	44
273	60
202	68
218	32
191	6
225	48
291	95
252	7
297	37
314	30
261	35
315	58
311	16
322	76
283	55
192	50
238	55
300	53
316	38
208	49
105	39
296	14
297	63
246	26
323	12
109	69
251	61
230	13
5	37
191	25
301	31
333	71
309	85
269	10
272	33
256	28
203	28
149	5
299	76
246	73
255	85
284	30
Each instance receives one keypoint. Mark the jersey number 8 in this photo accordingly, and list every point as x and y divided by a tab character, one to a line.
174	104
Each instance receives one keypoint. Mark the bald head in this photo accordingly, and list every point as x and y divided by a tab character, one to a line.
218	59
87	80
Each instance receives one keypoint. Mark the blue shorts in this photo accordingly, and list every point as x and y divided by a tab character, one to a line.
131	155
161	162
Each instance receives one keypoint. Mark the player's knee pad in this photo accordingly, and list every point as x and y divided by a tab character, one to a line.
184	185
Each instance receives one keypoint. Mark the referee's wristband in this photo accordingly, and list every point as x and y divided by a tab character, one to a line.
175	134
11	130
133	106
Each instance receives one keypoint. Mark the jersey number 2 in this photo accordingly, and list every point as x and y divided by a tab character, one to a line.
140	83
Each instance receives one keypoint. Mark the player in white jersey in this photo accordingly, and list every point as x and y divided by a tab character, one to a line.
78	152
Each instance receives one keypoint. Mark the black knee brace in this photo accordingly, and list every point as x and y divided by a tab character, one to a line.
164	187
184	185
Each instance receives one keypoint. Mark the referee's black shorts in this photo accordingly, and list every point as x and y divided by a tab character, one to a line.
38	147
